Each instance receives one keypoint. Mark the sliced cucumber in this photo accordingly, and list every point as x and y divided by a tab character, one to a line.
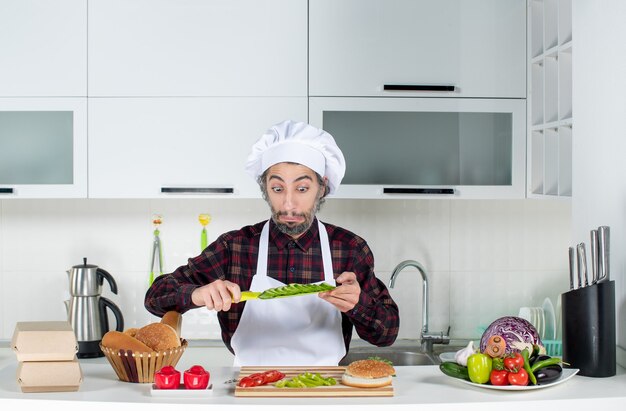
291	290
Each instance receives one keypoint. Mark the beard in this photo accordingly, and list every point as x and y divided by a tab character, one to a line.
296	229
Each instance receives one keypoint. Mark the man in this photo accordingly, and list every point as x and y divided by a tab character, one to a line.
296	165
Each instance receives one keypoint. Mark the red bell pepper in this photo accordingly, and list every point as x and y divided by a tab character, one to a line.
261	378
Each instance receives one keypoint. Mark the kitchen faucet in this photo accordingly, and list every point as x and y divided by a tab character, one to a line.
427	339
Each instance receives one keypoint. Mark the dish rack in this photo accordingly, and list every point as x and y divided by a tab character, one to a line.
554	348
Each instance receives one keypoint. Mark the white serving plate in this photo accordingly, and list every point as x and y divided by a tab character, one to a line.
447	356
566	375
181	392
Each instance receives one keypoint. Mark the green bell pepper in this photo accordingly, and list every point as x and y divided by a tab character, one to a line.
479	368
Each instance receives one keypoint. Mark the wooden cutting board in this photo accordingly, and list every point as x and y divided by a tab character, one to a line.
338	390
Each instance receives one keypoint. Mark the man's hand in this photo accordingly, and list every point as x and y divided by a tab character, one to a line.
217	295
346	295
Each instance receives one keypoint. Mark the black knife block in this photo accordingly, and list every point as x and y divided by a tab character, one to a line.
589	341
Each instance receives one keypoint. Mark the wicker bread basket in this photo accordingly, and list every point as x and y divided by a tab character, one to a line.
139	367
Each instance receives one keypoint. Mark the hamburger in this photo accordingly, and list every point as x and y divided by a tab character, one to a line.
368	374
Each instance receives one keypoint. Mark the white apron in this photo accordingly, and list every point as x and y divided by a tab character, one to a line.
303	330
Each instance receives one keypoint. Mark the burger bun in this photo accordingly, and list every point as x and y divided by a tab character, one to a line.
158	336
368	374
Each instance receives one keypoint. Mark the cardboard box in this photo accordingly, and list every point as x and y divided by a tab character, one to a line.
44	341
49	376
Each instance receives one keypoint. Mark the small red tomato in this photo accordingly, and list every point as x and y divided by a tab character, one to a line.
273	376
518	378
514	362
167	378
196	378
499	377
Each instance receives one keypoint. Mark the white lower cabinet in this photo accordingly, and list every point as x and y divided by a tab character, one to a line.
179	147
43	148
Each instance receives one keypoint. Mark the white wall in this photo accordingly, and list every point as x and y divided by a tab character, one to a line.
599	143
485	258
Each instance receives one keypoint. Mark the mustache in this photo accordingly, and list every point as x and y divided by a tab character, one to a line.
288	214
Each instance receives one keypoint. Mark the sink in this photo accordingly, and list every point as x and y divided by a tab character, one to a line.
398	356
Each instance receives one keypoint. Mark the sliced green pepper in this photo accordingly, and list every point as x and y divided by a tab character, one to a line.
305	380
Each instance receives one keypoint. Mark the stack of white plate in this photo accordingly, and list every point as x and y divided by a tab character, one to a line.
550	320
536	317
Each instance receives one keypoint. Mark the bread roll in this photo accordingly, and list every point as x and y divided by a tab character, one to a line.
174	319
118	340
158	336
131	331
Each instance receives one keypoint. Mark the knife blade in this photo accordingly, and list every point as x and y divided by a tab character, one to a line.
572	267
594	256
582	265
603	253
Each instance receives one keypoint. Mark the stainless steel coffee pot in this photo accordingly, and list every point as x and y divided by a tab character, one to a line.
87	279
87	309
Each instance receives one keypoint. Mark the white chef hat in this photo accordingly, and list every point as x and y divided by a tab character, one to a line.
301	143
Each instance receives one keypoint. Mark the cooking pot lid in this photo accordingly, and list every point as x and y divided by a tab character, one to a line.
85	265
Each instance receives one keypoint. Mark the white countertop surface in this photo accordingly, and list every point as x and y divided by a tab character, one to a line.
424	386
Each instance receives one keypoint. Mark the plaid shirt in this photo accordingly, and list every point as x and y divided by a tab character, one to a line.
233	257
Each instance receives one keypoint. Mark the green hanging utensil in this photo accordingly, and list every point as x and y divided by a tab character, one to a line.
204	219
157	253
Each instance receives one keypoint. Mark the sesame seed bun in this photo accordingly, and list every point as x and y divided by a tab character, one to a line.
158	336
368	374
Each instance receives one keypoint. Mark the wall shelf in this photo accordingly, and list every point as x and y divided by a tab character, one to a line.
550	114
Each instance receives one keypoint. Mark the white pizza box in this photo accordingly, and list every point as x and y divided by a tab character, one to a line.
44	341
49	376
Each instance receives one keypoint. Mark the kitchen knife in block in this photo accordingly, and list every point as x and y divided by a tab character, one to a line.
594	256
582	265
572	267
291	290
603	253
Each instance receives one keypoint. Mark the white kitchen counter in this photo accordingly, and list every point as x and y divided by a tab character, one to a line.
424	386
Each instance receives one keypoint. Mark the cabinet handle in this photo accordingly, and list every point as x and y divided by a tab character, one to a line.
198	190
418	87
4	190
391	190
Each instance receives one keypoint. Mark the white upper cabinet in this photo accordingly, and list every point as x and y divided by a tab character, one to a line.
179	147
402	148
359	46
198	48
43	48
550	50
43	147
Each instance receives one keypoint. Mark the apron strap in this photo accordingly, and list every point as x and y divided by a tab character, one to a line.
261	263
327	258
